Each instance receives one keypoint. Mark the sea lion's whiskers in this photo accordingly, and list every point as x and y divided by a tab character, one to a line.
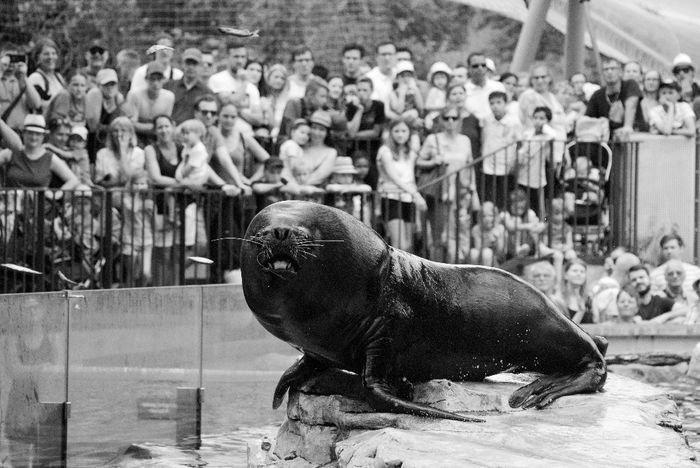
252	241
321	240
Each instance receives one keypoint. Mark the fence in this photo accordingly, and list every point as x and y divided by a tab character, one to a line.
121	238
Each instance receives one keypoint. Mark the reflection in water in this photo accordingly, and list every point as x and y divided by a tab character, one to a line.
28	353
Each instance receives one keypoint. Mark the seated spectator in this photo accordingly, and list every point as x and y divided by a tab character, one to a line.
121	160
405	99
163	57
674	273
533	155
145	104
542	275
189	88
365	116
651	306
627	306
271	187
583	192
16	98
604	291
693	316
500	133
70	104
672	247
650	92
573	292
46	79
672	117
618	101
488	237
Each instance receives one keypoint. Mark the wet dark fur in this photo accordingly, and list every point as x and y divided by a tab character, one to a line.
354	303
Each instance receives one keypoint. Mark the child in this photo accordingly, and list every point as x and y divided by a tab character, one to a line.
535	151
271	188
343	191
672	117
521	224
557	237
436	99
488	238
137	231
500	133
79	161
193	170
291	152
361	162
405	100
583	192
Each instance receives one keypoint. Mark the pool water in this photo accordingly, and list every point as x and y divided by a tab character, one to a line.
686	393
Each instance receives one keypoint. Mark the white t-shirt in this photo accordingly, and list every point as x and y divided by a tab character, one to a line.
390	170
193	168
532	155
477	100
661	119
139	82
498	144
225	82
107	164
382	85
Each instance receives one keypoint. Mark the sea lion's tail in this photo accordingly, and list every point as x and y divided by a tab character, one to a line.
381	399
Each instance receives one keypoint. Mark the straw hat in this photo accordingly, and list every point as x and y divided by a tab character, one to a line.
343	165
34	123
321	118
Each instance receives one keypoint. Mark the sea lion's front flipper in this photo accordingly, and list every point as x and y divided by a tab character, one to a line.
382	397
304	368
548	388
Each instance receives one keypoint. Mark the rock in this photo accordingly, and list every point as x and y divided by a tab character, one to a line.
650	374
694	366
629	424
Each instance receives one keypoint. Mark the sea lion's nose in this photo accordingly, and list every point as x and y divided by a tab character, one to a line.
280	233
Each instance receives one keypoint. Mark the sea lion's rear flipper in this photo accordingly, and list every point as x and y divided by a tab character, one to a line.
304	368
548	388
601	343
382	397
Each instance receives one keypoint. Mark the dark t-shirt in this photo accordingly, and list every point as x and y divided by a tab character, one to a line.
600	102
370	117
658	305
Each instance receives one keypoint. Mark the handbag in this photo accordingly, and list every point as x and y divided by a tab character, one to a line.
426	177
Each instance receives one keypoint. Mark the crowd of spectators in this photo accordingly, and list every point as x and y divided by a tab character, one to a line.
470	162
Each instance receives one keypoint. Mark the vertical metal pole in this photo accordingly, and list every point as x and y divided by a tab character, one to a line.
574	45
530	35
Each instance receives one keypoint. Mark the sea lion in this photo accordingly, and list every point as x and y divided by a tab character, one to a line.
319	279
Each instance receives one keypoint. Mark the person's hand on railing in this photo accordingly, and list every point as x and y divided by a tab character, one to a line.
54	194
246	189
230	190
623	133
421	205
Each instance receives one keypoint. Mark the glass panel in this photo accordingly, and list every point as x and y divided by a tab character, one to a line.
32	377
130	351
242	364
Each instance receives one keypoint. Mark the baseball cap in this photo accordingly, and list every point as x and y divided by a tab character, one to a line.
107	75
682	60
154	67
672	84
192	54
80	131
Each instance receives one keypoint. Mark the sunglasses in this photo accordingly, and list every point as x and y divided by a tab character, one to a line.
540	77
478	65
208	112
450	117
683	69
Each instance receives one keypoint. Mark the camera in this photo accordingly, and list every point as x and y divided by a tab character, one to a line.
17	58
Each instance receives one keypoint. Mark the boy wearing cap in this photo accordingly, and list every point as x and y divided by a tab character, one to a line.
145	104
164	57
672	116
79	162
188	89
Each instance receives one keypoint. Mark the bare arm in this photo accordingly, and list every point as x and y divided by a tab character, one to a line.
255	148
155	177
10	137
61	169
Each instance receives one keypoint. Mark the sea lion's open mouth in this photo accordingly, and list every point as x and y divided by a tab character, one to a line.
280	263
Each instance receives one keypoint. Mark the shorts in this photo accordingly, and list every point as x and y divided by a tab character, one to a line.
395	209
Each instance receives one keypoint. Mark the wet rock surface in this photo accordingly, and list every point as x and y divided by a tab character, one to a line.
630	424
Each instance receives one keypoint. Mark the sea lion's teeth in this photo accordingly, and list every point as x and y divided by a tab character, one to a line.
281	265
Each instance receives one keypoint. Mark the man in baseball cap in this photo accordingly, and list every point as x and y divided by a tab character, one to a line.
190	88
